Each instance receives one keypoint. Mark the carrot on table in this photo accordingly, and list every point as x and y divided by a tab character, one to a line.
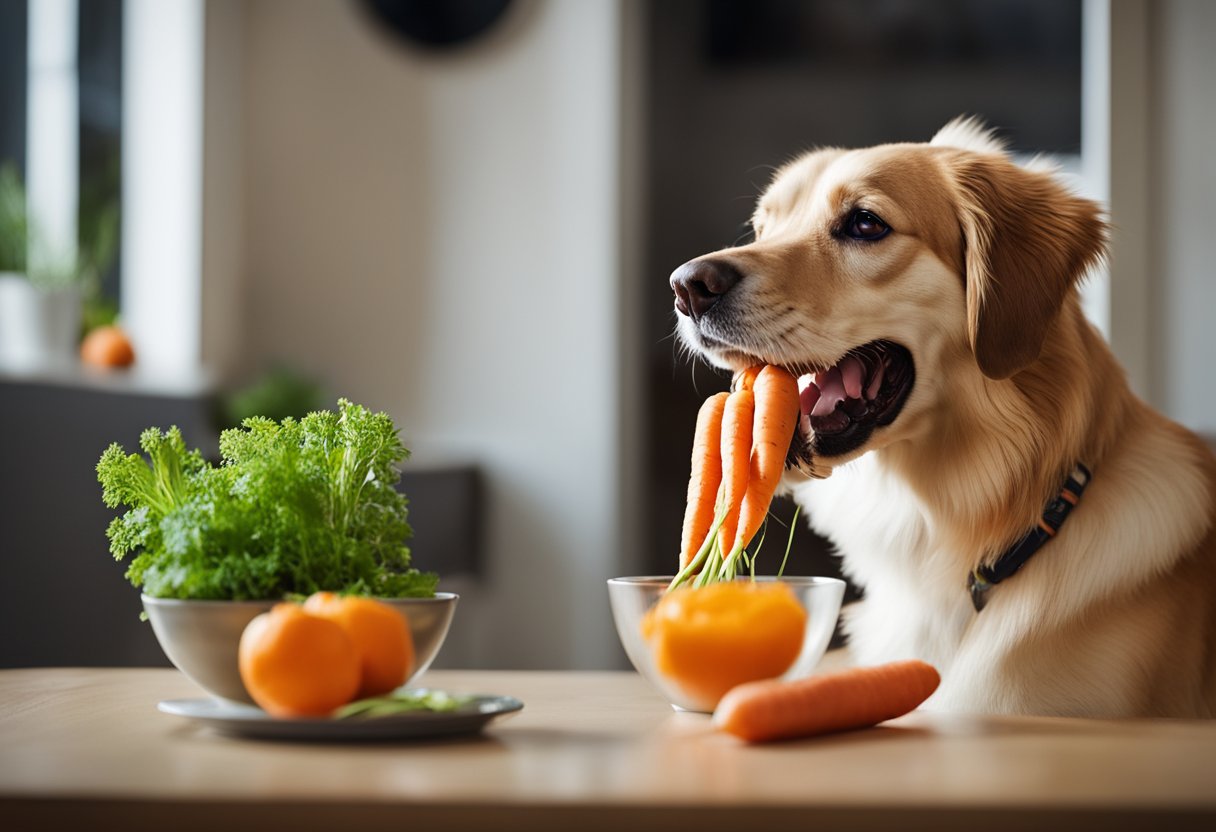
776	415
847	699
705	478
737	438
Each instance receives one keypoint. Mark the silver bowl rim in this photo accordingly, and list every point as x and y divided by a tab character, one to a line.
437	598
799	580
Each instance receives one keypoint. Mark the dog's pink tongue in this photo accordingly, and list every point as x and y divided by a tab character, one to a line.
831	392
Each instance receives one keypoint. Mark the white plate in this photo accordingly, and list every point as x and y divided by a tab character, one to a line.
248	721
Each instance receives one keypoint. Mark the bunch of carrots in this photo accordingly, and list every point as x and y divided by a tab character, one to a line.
739	450
710	633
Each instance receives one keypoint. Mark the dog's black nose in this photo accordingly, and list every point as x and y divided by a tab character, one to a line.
699	284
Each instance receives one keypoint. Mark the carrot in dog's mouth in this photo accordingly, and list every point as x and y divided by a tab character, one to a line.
843	404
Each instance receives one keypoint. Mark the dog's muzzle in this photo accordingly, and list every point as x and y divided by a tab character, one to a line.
699	284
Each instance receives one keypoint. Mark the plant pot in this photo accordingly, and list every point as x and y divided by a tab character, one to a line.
201	637
38	326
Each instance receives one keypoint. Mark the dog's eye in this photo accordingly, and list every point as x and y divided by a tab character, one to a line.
865	225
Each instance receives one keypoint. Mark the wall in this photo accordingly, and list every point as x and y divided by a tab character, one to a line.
436	236
1182	200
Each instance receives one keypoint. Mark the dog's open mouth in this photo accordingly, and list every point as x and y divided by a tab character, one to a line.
842	405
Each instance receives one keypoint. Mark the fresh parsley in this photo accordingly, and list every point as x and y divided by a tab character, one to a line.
294	507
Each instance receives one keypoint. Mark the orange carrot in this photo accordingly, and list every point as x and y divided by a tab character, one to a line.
840	701
705	478
776	415
737	423
746	379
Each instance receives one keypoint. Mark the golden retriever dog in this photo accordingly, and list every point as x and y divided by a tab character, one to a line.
926	296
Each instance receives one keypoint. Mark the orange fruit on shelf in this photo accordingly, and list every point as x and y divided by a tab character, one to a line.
295	664
709	639
380	634
107	346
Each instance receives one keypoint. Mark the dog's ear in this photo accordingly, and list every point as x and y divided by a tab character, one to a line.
1027	241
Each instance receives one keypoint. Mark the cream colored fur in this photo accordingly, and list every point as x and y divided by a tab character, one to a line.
1116	616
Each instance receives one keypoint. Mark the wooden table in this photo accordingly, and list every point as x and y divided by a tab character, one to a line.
87	749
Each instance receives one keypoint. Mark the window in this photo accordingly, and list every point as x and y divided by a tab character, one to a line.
101	112
61	130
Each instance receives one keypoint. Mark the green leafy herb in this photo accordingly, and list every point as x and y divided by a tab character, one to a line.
403	702
294	507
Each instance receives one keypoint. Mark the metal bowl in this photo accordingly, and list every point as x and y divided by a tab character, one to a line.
630	598
201	637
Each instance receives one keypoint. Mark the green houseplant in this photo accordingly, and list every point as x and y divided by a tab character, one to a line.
42	291
14	225
36	322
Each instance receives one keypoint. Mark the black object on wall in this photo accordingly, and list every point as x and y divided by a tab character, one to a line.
446	510
438	23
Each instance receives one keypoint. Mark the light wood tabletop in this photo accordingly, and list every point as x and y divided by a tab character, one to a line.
88	748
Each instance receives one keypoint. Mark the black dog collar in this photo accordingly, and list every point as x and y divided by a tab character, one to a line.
1015	557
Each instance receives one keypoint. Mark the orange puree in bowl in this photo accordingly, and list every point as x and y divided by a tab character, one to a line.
710	639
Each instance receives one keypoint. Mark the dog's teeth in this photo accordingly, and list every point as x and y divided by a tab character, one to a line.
851	373
805	424
876	381
803	381
807	398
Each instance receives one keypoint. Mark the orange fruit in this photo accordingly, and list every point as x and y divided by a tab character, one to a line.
107	346
380	634
709	639
295	664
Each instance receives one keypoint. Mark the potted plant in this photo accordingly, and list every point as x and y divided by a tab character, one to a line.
46	294
294	507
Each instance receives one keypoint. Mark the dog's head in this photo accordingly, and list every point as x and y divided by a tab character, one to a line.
888	278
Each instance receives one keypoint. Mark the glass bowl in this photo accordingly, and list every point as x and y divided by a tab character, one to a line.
630	598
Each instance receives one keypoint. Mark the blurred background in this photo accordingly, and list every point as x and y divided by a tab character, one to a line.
464	213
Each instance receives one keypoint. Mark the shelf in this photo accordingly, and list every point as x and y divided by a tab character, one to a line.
137	380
